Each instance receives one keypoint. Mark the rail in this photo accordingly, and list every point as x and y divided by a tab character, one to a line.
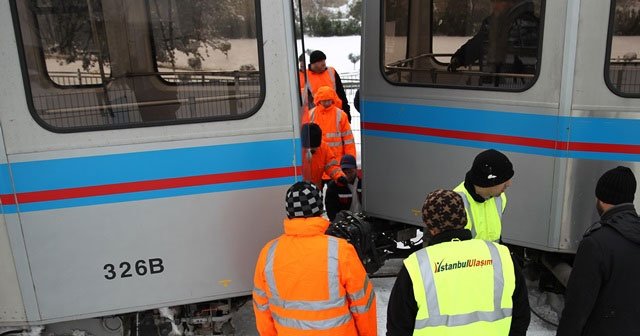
407	71
104	107
80	78
624	75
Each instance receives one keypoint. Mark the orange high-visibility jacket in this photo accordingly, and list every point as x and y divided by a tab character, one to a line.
304	89
315	165
317	80
308	283
336	130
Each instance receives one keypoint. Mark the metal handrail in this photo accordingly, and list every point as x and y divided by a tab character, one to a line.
465	72
411	59
146	104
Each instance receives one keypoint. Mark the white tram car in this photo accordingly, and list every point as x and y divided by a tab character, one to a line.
134	173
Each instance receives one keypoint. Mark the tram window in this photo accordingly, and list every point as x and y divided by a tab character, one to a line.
623	65
94	64
480	44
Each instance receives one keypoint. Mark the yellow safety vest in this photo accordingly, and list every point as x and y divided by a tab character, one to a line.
462	288
483	219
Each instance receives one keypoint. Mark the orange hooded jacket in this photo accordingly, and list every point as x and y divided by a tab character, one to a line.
308	283
336	130
319	164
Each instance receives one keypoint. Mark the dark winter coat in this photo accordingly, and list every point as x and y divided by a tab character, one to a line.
402	308
339	198
603	293
507	43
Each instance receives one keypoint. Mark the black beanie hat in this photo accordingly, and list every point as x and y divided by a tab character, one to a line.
303	200
316	56
489	169
311	135
616	186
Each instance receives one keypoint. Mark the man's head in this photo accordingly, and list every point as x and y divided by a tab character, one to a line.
301	62
443	210
490	173
616	186
311	136
325	96
303	200
317	61
349	167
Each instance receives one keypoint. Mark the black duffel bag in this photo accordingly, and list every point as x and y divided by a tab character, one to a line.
354	228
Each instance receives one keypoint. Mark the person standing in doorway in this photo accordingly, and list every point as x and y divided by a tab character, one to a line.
319	74
336	130
317	158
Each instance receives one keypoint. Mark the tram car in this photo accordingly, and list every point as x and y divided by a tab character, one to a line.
145	149
565	110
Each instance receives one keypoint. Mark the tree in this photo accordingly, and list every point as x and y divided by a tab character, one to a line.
354	59
189	25
73	31
224	47
355	10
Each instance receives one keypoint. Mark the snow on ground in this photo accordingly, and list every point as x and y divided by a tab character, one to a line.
244	320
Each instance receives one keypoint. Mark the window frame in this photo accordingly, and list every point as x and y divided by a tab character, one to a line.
543	6
607	57
92	87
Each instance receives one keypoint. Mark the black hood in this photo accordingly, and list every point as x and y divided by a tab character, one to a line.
624	219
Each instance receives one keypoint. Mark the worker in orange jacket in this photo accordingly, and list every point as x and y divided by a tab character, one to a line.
309	283
317	158
336	129
319	74
307	99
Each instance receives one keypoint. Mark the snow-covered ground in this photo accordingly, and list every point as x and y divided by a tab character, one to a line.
245	323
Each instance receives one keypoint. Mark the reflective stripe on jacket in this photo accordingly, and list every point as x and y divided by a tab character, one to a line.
336	130
308	283
323	161
339	198
483	219
462	288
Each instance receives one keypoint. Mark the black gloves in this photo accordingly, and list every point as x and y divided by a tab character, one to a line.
342	181
454	64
